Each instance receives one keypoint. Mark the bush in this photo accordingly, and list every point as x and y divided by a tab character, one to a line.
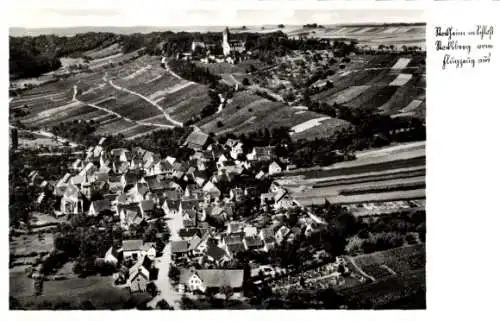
245	82
363	234
220	124
410	239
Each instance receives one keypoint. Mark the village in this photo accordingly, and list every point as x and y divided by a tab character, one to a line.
209	239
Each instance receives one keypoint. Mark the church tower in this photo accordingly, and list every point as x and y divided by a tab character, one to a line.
226	49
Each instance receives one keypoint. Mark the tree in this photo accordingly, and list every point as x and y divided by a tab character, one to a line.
281	26
227	291
152	289
174	273
163	305
245	82
87	305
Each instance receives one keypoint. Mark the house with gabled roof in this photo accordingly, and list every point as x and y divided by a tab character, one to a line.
129	214
147	208
252	242
274	168
171	207
202	280
179	249
156	182
113	255
139	277
132	249
216	254
262	153
236	150
210	189
72	200
99	207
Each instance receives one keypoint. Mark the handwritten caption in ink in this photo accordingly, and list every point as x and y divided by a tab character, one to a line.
464	48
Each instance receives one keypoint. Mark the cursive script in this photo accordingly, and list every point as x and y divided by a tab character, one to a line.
464	48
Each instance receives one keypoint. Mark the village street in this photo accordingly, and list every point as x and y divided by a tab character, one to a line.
166	291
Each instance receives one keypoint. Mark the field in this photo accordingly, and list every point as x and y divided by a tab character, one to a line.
382	175
386	83
398	274
98	290
133	95
410	286
392	262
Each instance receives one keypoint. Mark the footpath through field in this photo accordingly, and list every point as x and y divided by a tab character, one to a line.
167	116
136	122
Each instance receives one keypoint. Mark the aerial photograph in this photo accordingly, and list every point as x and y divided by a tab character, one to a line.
198	162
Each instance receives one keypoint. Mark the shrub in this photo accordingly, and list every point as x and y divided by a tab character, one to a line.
363	234
220	124
410	239
250	110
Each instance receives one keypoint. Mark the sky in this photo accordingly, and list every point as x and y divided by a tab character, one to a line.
120	13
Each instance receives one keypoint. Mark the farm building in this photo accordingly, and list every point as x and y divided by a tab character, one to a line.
202	280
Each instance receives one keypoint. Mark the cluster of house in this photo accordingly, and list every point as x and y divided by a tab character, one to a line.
137	186
135	183
229	48
213	251
135	260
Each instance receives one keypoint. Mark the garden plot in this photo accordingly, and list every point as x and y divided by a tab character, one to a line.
347	94
402	63
308	124
401	79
